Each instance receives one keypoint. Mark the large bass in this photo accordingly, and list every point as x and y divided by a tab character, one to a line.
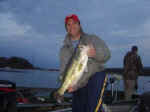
74	70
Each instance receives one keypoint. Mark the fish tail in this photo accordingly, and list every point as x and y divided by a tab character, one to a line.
59	98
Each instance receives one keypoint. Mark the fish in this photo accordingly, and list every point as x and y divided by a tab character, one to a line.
74	72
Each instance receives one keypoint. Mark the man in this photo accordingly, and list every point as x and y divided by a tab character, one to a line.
86	93
132	68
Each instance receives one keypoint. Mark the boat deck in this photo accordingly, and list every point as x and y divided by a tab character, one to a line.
123	106
114	105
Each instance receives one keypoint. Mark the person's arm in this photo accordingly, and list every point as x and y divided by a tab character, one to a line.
124	60
101	50
64	56
140	65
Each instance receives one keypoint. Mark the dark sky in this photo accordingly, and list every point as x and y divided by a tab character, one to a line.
34	29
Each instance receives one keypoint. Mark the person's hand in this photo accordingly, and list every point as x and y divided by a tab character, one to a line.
72	89
91	52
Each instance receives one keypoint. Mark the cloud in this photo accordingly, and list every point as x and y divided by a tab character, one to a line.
146	27
10	28
134	33
23	40
144	43
144	36
38	27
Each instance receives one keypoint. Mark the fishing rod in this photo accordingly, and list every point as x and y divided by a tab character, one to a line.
101	95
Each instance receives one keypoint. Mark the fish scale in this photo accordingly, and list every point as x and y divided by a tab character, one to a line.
74	72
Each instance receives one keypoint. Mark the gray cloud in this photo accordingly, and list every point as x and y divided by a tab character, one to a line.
35	29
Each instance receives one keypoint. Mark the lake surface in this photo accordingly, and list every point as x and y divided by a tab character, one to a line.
31	78
48	79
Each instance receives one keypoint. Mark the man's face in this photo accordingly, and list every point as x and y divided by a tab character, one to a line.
73	27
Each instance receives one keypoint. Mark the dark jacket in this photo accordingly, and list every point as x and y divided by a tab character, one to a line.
132	66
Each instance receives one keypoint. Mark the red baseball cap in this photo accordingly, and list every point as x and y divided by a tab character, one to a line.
72	16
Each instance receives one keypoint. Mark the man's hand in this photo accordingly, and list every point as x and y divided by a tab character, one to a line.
91	52
72	89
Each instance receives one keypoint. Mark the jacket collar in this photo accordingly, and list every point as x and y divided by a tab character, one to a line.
68	40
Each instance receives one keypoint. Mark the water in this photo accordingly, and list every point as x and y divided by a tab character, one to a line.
48	79
31	78
143	84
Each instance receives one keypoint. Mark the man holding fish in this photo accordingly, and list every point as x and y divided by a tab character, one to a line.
82	59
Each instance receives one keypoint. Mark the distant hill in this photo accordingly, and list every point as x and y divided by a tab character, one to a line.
15	62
